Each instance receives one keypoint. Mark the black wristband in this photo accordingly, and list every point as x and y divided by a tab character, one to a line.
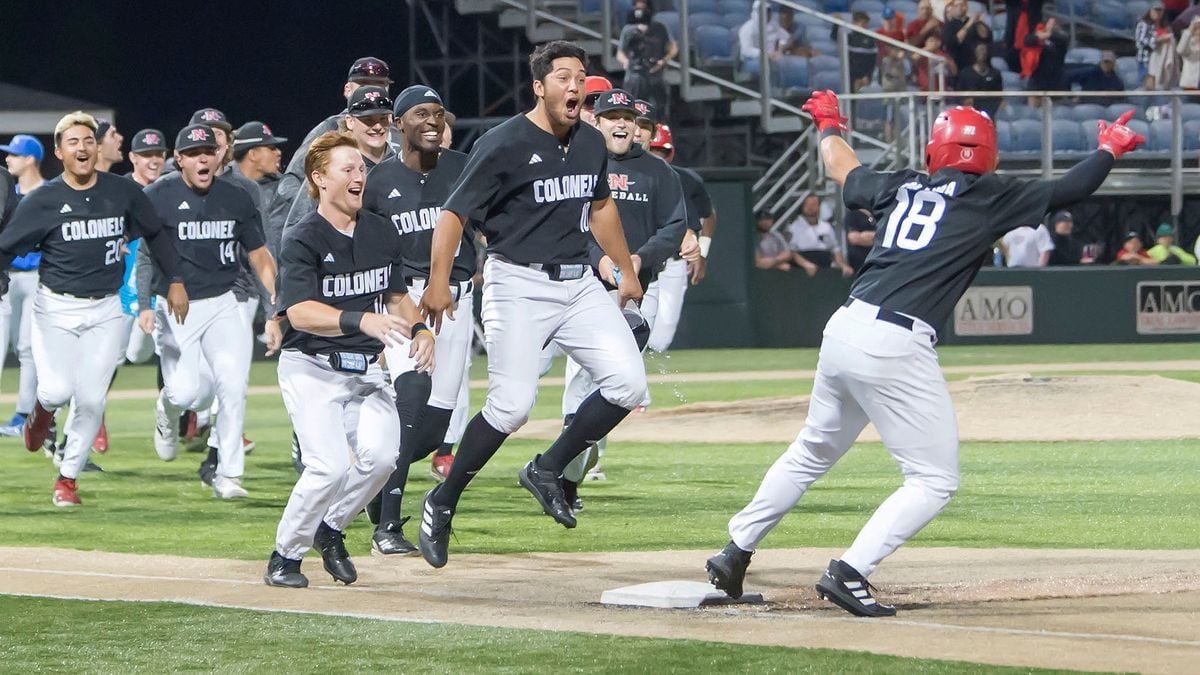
349	322
831	131
417	328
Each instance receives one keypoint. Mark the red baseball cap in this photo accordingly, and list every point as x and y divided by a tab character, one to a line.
593	86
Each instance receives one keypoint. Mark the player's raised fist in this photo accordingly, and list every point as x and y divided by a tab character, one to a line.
1118	139
823	106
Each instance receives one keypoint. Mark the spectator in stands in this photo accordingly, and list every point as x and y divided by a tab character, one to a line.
1067	249
860	237
981	76
1173	8
923	25
863	51
893	27
1150	30
1165	251
1020	16
1027	246
797	43
1189	56
1133	252
645	48
925	72
1101	77
773	252
1163	70
814	241
784	37
963	32
894	75
1043	59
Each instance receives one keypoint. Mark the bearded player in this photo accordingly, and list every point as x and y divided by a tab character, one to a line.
877	362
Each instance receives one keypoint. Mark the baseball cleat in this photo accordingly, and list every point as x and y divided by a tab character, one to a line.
91	467
15	426
166	432
595	473
332	545
390	540
64	493
190	426
100	443
207	472
547	489
440	467
248	445
433	539
284	572
571	496
37	427
845	587
727	569
228	488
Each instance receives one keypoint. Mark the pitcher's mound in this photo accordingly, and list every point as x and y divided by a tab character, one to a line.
1001	408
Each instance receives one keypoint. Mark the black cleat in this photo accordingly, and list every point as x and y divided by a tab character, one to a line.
390	540
571	496
433	538
332	545
845	587
207	471
727	569
547	489
284	572
297	455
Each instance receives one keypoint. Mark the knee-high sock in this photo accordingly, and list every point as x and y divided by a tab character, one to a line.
415	445
479	442
594	419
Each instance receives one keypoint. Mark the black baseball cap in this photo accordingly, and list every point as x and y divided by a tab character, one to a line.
368	100
148	140
370	69
615	100
1131	235
1060	217
195	136
213	118
414	96
646	115
255	135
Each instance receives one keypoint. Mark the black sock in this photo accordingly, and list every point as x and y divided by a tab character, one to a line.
445	449
478	444
415	444
212	456
161	382
594	419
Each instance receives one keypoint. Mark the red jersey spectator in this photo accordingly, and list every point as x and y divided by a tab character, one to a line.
925	73
1133	252
893	27
924	25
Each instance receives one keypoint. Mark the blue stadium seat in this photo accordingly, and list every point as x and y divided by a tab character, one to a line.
714	46
1110	15
703	6
825	79
1089	129
1159	139
1191	135
835	5
868	6
1066	136
1138	126
824	47
734	22
1130	79
825	63
1004	136
1000	64
1026	135
1012	81
1117	109
671	21
1085	55
790	72
1017	110
1135	10
1078	8
1191	111
589	6
1087	111
870	112
1127	63
734	6
704	19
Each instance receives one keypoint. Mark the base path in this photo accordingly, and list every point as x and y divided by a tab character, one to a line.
1079	609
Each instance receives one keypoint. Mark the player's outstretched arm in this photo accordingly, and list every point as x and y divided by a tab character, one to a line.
1086	177
263	264
837	155
437	299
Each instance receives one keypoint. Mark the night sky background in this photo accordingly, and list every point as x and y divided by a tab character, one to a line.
283	63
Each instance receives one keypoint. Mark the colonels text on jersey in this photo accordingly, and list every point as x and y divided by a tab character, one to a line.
95	228
365	282
558	188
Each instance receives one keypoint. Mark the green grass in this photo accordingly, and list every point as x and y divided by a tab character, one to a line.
64	636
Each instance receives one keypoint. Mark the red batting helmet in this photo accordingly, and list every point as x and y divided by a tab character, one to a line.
962	138
663	141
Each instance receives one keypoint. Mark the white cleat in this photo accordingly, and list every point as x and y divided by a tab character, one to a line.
596	473
228	488
166	432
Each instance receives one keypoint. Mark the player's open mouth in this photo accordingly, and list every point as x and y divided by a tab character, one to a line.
355	189
620	134
432	136
204	172
572	105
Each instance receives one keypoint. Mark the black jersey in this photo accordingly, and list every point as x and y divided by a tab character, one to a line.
413	201
81	233
207	229
352	273
699	204
531	194
650	200
933	233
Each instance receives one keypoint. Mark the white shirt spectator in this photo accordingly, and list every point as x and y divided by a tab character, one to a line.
1028	247
748	36
819	237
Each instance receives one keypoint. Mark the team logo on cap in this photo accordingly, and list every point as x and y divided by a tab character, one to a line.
429	93
151	139
210	115
642	108
373	96
267	130
197	135
618	98
371	68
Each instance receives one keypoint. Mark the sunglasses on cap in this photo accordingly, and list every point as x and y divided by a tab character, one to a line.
374	105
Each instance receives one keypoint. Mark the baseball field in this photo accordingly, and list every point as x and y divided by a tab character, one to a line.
1071	544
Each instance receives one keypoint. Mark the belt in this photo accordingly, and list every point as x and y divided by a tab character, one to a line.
556	272
78	297
460	289
887	315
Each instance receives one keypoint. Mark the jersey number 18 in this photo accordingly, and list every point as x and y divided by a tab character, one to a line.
910	211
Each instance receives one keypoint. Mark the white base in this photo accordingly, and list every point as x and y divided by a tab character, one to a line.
673	595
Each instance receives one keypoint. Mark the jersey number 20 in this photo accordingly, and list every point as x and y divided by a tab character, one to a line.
910	211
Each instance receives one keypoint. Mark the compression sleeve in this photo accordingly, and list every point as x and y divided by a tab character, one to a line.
1082	180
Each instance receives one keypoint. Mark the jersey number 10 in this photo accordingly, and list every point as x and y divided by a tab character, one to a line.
910	211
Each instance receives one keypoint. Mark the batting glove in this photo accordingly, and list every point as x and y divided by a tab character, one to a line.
823	106
1117	138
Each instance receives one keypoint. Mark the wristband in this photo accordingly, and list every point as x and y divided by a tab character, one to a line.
831	131
349	322
705	244
417	328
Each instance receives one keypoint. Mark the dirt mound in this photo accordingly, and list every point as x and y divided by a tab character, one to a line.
1001	408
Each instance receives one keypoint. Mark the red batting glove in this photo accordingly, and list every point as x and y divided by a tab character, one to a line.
823	106
1119	139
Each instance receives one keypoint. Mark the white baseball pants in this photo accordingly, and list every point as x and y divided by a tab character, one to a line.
207	357
249	309
18	330
350	431
673	284
139	346
452	349
73	343
868	370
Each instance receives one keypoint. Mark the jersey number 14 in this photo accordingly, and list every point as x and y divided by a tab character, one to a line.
909	214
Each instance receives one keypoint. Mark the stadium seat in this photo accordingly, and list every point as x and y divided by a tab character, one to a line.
734	22
1012	81
703	7
1087	111
870	112
704	19
1000	64
1117	109
714	46
734	6
1003	136
835	5
825	62
589	6
1018	111
826	79
868	6
1130	79
1084	55
1191	111
1138	126
790	72
1159	139
824	47
1135	10
1191	135
671	21
1079	8
1089	130
1026	135
1066	136
1110	15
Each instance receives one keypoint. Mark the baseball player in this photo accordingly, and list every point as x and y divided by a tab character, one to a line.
147	152
539	181
344	298
593	86
25	154
210	355
108	145
80	221
673	281
650	202
409	190
877	362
